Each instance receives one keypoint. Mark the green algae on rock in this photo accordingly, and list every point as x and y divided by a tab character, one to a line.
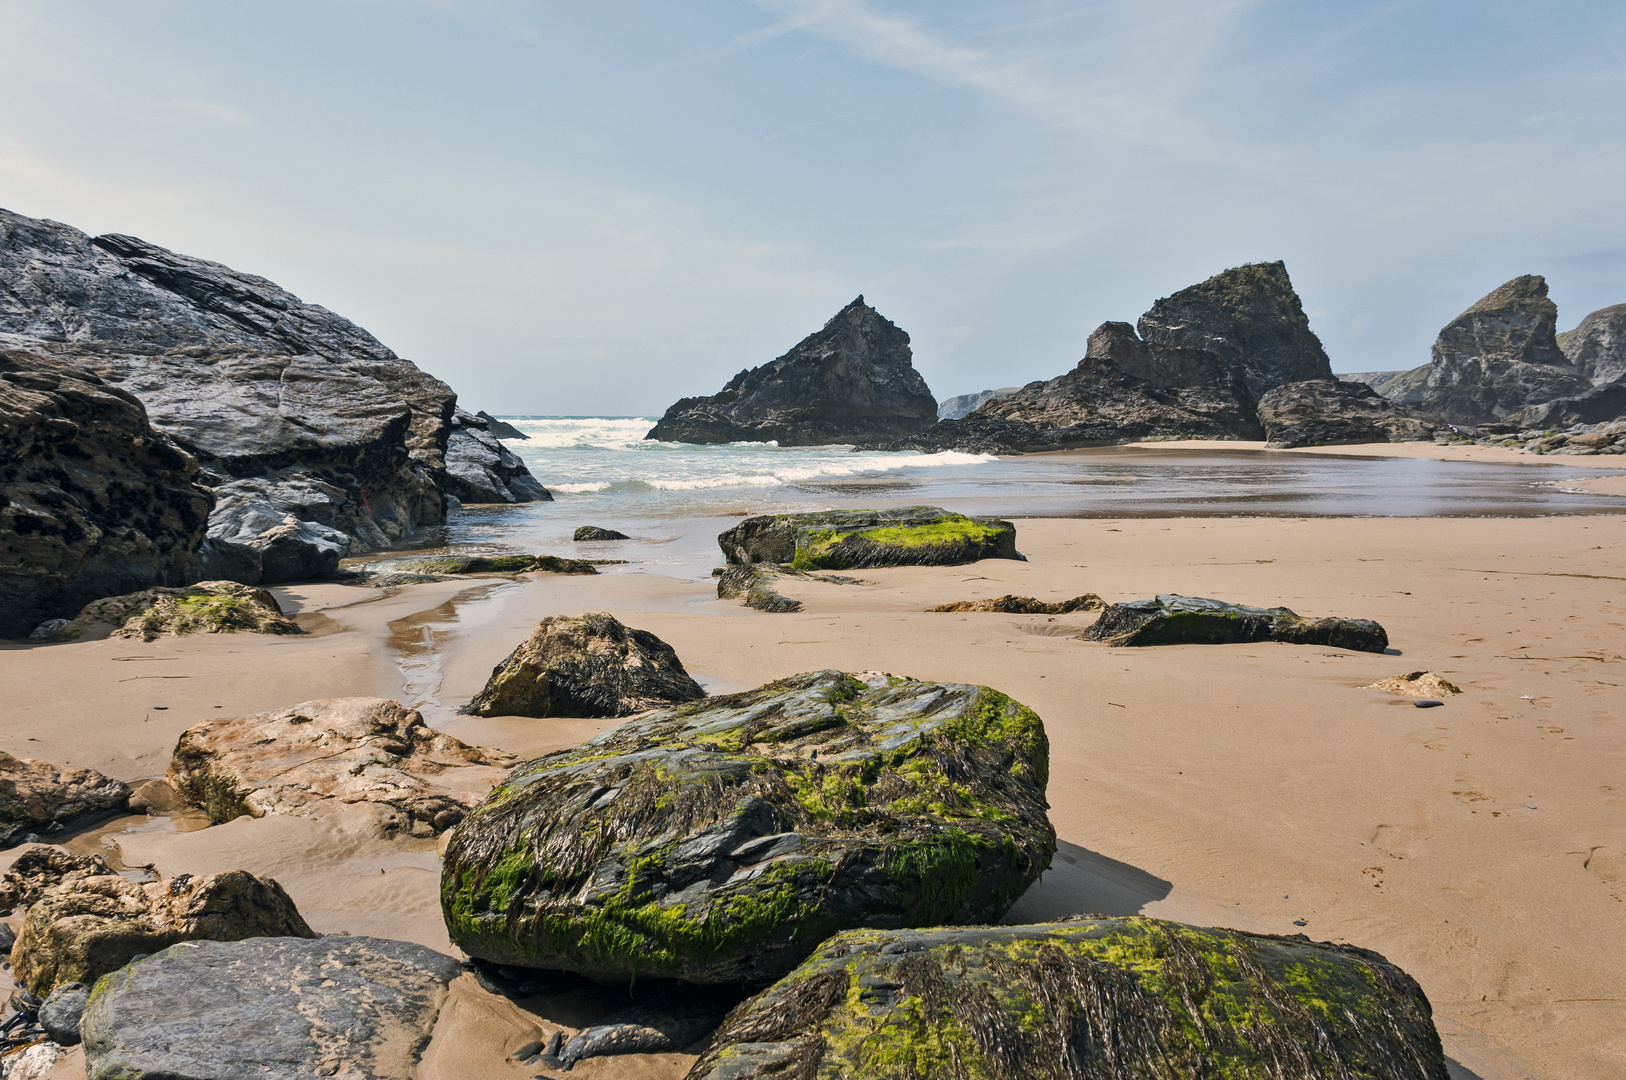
722	840
1196	620
854	539
1085	998
500	564
209	607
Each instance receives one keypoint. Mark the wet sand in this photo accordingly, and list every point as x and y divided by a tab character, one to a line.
1478	845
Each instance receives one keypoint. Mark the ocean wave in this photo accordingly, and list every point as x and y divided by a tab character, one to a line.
581	489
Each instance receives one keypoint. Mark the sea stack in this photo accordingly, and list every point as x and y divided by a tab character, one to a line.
852	381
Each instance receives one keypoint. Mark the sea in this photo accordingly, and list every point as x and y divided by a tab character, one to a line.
675	497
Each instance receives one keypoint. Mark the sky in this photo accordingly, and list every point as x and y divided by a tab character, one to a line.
598	208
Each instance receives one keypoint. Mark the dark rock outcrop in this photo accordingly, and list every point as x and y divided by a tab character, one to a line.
587	533
1597	347
1026	605
721	841
334	435
93	501
1196	620
83	928
852	381
36	796
500	564
754	581
1599	405
964	404
854	539
1249	317
271	1008
1330	412
501	429
479	469
585	665
1085	997
1499	356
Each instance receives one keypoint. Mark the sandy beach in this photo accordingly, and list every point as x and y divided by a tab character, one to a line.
1479	845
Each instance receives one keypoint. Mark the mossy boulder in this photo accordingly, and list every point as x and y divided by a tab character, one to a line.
209	607
1083	998
853	539
585	665
1195	620
722	841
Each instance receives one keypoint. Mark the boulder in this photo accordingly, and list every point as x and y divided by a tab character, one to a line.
354	750
1196	620
1417	684
501	564
271	1008
721	841
83	928
60	1013
592	532
41	868
1597	347
964	404
479	469
854	539
1499	356
1599	405
1250	318
93	501
39	796
1085	997
754	581
287	526
1331	412
501	429
585	665
852	381
1026	605
209	607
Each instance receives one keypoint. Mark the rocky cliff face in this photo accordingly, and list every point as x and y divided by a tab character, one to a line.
1250	318
1598	346
479	469
852	381
1331	412
304	422
965	404
1499	356
93	502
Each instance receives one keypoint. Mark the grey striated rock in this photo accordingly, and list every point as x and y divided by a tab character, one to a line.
1087	997
1194	620
37	795
59	1014
585	665
1249	317
93	501
964	404
852	381
479	469
273	1008
721	841
853	539
1499	356
501	429
1598	346
1599	405
1330	412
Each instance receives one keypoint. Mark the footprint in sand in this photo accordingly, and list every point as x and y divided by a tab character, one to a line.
1608	864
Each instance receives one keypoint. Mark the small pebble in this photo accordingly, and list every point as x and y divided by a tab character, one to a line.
1300	922
1427	703
1531	805
161	708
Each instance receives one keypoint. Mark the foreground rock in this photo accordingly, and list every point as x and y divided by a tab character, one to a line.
1417	684
93	501
353	750
479	469
722	841
273	1008
1333	412
854	539
209	607
36	796
1195	620
1499	356
1026	605
585	665
1088	997
84	927
755	582
1597	347
852	381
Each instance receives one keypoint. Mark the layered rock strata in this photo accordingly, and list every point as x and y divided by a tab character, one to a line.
853	539
721	841
1195	620
852	381
1330	412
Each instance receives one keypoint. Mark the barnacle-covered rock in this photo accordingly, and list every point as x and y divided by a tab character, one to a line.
852	539
1196	620
722	840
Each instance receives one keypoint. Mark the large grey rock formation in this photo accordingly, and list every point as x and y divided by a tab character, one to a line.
1329	412
301	418
354	1008
479	469
852	381
1598	346
1499	356
92	500
1249	317
1599	405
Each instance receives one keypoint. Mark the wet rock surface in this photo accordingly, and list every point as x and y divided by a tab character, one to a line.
853	539
39	797
1331	412
1083	998
209	607
585	665
479	469
721	841
84	927
356	1008
353	750
1196	620
1027	605
755	582
586	533
852	381
93	501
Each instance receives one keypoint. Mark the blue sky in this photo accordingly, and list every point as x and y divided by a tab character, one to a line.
601	207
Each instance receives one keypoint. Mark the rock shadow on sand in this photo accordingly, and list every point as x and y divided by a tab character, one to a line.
1081	881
